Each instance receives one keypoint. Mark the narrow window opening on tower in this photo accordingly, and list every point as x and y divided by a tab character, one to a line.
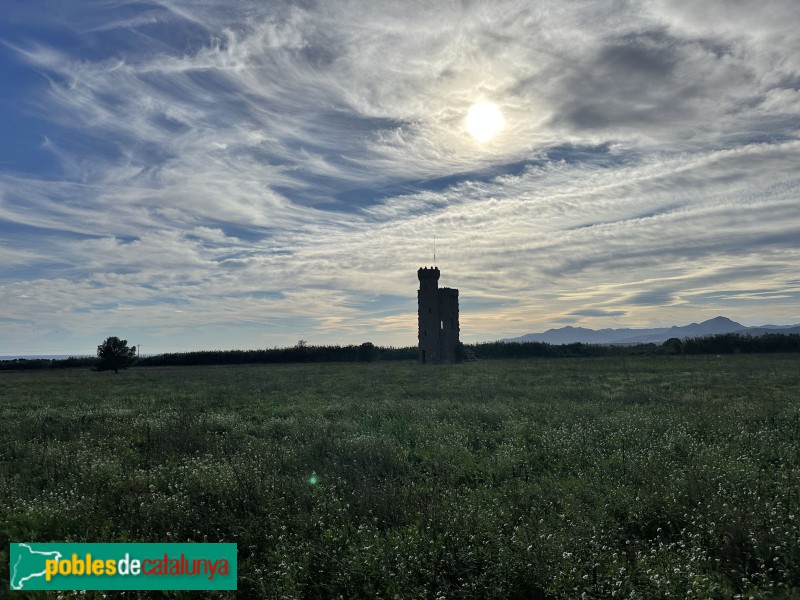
441	324
429	310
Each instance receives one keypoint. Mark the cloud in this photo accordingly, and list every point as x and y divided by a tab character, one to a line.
285	163
596	312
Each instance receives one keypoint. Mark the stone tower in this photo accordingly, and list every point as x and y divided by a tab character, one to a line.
438	319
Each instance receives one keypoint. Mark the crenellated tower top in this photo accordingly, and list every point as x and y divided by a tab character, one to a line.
428	273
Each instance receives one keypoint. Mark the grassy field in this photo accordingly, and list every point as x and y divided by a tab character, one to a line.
640	477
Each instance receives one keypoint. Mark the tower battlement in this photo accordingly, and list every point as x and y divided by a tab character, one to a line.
428	273
438	319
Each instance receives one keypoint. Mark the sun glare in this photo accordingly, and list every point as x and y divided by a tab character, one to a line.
484	120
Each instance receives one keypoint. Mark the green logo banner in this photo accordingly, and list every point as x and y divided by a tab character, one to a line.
36	566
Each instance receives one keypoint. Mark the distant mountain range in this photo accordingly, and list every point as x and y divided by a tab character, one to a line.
715	326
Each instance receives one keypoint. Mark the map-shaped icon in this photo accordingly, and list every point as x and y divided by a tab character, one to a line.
27	564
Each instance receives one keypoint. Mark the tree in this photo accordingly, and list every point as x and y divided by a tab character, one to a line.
368	352
115	354
673	346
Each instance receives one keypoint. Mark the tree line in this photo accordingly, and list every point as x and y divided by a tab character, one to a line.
366	352
727	343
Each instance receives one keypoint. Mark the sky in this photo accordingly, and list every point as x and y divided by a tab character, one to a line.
206	174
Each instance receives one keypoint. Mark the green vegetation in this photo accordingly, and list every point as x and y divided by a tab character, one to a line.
114	354
626	477
727	343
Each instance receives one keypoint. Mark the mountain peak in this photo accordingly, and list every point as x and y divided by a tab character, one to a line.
720	320
718	325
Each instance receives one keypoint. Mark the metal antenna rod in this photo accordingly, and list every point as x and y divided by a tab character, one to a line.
434	250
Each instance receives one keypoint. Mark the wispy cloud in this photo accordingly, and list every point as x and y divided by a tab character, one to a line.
222	164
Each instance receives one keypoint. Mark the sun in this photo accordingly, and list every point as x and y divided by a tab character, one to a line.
484	120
